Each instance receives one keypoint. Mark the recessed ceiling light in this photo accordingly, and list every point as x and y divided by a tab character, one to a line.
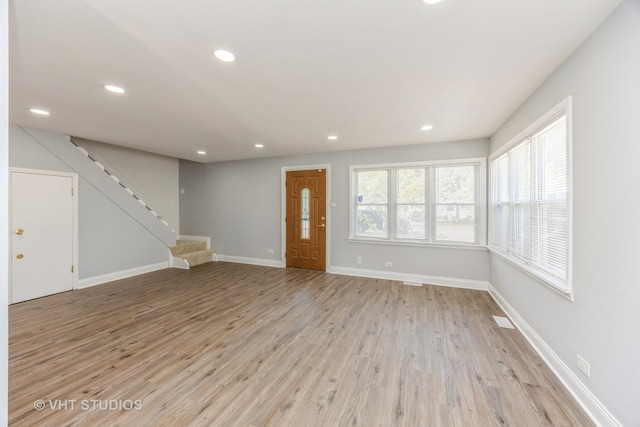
224	55
332	137
426	127
39	111
430	1
114	89
201	152
258	145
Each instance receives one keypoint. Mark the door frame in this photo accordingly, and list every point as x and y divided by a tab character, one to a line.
74	219
283	209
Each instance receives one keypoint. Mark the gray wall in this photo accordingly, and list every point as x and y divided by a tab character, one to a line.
238	204
109	239
602	325
4	209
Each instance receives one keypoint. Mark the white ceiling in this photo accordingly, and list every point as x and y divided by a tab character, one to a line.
370	72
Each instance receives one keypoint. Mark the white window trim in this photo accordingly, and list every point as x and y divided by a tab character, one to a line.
547	280
481	203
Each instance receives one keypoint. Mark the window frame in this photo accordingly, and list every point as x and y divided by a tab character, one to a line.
561	286
480	164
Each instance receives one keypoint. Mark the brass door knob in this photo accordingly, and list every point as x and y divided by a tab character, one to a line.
19	256
19	231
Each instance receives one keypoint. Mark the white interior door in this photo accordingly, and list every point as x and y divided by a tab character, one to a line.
42	230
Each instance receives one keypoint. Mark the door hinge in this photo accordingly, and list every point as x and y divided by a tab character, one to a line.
72	191
72	268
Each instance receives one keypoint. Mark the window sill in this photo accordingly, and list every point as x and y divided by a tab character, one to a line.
453	245
548	282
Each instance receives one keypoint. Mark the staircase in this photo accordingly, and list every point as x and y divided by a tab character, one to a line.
184	253
78	160
117	181
189	253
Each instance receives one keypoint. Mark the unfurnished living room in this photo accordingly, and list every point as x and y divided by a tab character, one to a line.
320	213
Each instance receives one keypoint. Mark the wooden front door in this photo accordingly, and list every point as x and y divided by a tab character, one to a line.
306	219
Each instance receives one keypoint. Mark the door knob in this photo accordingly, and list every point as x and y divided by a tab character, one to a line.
19	231
321	226
19	256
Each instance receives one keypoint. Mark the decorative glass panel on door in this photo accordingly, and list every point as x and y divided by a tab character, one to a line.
304	212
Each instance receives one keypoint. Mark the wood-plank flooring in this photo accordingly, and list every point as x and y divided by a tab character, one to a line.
237	345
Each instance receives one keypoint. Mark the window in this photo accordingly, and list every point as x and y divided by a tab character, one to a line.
373	198
411	203
427	202
529	202
455	203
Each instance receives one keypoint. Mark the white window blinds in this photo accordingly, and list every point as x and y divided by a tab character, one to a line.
549	201
529	201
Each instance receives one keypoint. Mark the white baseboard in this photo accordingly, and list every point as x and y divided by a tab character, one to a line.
117	275
585	398
451	282
252	261
374	274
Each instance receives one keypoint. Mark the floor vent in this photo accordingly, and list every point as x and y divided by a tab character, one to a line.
412	283
503	322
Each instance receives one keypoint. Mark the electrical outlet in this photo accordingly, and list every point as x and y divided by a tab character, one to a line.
269	251
359	260
584	367
388	264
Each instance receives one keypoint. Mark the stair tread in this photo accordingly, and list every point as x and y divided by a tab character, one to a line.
186	246
203	251
198	257
194	252
180	242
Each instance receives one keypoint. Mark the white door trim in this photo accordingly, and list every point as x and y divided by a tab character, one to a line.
283	209
74	226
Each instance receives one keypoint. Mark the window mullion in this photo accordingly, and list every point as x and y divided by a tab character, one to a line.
392	202
428	204
430	215
476	205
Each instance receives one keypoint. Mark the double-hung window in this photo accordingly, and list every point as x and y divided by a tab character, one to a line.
419	202
530	199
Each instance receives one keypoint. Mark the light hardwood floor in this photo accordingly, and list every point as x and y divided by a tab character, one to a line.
236	345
